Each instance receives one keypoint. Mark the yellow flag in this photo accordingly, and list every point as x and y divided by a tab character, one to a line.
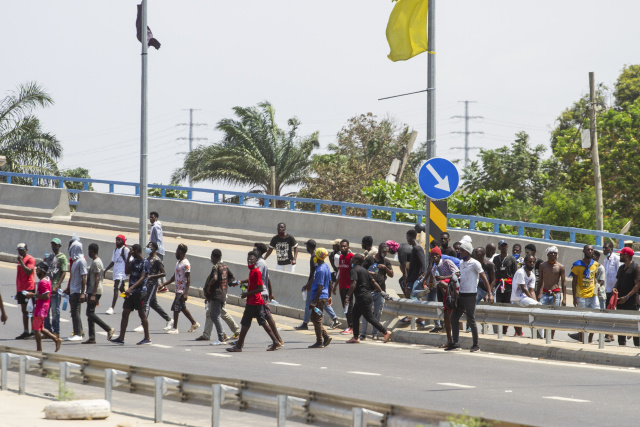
407	29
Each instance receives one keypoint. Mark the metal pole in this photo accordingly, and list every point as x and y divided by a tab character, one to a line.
281	412
216	393
108	384
466	133
431	105
190	136
23	371
62	381
142	231
5	367
358	417
594	153
158	399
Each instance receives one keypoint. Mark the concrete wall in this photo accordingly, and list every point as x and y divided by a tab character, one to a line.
40	202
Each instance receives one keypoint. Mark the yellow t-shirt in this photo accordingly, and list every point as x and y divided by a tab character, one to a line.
585	286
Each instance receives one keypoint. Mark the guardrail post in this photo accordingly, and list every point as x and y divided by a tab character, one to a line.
500	331
4	361
361	417
163	193
23	370
393	216
286	406
600	341
598	240
86	186
267	202
215	198
419	221
190	196
137	190
158	399
218	394
584	337
34	182
281	413
60	183
64	374
413	323
110	381
9	179
547	333
292	205
547	234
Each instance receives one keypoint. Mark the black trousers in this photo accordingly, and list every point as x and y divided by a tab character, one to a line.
152	302
349	314
466	303
76	320
631	306
362	308
94	319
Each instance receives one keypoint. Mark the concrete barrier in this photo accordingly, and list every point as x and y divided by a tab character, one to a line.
19	201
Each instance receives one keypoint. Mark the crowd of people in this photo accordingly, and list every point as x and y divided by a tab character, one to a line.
457	275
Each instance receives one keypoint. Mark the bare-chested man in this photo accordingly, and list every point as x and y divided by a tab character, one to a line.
553	290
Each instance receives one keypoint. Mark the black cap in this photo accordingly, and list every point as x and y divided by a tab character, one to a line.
502	242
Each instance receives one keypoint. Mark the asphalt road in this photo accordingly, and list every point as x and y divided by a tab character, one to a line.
517	389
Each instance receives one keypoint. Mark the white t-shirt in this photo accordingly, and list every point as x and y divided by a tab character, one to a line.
469	274
521	278
119	263
182	268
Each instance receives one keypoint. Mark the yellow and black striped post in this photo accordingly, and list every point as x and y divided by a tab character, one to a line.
437	219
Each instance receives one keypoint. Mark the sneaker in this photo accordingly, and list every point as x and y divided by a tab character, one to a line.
405	319
110	310
436	330
347	331
89	342
317	345
75	338
474	349
139	329
202	338
144	342
336	323
216	342
363	337
173	331
232	343
163	289
225	338
421	323
327	341
302	327
452	347
169	325
117	341
22	336
194	327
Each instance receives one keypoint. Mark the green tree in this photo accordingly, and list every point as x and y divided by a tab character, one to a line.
363	152
627	87
252	143
27	147
173	194
75	185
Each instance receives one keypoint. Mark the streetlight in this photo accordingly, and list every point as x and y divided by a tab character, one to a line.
3	160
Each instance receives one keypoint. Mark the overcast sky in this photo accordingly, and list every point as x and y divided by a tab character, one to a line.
324	62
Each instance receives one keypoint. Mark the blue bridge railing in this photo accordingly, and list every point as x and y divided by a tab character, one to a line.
498	227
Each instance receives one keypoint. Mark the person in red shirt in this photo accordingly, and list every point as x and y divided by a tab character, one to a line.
25	281
344	281
254	308
43	299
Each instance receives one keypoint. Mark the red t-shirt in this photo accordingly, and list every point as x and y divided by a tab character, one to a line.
42	305
24	281
255	280
344	266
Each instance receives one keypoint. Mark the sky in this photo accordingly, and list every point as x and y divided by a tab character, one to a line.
323	62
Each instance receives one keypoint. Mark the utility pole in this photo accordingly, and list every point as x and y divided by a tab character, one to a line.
466	132
431	106
594	152
142	221
191	125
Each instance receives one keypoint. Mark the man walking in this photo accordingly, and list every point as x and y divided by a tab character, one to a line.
286	249
58	267
94	292
77	287
266	290
41	295
118	261
470	272
155	235
182	277
553	290
320	296
25	282
156	271
627	287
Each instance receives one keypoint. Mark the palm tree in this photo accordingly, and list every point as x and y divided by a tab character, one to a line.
250	146
27	148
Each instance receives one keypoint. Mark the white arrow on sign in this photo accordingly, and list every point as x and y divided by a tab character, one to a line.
443	183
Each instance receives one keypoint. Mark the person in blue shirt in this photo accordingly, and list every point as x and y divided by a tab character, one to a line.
320	297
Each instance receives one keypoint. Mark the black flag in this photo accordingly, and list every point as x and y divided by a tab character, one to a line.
150	40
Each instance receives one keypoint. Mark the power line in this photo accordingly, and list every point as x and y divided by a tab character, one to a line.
191	137
466	132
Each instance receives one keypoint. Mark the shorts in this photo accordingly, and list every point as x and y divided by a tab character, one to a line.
38	323
178	303
286	267
135	302
118	282
253	312
267	311
589	302
21	299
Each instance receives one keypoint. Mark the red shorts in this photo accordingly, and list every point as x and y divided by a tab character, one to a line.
38	323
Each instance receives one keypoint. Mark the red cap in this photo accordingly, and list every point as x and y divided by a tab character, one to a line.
627	251
436	250
121	237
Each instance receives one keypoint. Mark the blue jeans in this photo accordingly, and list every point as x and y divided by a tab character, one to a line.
53	326
307	311
592	302
551	299
377	312
433	296
482	293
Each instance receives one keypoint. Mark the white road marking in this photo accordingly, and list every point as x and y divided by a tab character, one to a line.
457	385
65	320
8	304
508	391
373	374
219	355
566	399
161	346
187	349
286	364
323	367
102	333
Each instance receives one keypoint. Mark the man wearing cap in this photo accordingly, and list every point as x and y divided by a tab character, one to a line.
583	283
25	282
58	264
118	262
470	272
320	297
627	287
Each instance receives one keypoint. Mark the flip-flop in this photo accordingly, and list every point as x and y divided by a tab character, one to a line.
445	345
274	347
387	336
58	344
353	341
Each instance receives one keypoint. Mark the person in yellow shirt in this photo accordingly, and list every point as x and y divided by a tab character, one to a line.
583	284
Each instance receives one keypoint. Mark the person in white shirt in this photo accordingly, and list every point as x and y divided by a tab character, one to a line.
524	283
470	272
120	255
611	265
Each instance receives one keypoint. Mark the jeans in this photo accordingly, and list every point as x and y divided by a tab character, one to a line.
93	319
589	302
603	303
378	302
466	303
215	310
74	301
53	324
482	293
551	299
307	311
432	296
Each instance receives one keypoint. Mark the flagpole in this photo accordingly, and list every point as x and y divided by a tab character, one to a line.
431	103
143	132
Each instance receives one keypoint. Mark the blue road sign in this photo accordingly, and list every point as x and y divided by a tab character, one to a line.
438	178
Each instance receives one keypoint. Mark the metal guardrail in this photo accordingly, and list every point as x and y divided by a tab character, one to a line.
293	203
536	317
283	402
